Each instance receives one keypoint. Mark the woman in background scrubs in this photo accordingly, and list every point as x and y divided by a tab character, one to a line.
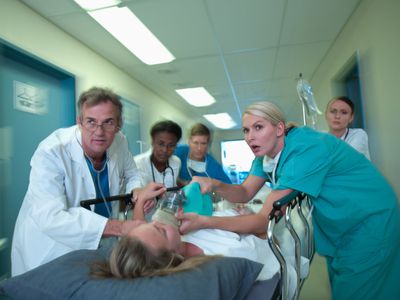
355	216
339	114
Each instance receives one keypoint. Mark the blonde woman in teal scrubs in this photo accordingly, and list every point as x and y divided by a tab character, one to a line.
356	214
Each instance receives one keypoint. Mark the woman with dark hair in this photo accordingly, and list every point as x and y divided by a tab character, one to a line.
159	164
339	114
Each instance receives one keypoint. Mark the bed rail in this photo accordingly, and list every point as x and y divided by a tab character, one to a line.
123	197
284	210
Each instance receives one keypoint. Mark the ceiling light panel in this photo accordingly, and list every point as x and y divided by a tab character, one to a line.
122	23
222	120
197	96
96	4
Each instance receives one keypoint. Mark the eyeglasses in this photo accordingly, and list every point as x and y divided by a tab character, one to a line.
91	125
163	145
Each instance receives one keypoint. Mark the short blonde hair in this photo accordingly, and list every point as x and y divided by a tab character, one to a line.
266	110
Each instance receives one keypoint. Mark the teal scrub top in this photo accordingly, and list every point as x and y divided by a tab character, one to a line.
355	209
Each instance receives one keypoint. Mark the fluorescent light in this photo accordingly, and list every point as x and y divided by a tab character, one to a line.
222	120
96	4
197	96
133	34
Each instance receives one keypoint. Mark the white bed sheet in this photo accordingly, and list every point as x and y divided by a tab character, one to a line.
226	243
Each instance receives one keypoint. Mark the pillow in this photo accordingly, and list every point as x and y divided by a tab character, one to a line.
67	277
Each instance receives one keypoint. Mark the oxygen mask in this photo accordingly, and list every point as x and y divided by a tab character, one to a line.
168	206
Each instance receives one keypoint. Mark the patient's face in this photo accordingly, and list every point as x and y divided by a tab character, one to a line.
157	235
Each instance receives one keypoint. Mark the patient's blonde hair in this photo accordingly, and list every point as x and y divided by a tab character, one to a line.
131	258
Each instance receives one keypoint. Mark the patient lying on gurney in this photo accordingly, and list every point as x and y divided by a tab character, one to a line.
156	248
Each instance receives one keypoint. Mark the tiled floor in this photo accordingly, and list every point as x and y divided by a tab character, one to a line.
316	287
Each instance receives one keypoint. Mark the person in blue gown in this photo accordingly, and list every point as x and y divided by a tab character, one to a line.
195	159
356	213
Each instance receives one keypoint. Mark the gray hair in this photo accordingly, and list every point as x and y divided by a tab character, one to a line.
95	96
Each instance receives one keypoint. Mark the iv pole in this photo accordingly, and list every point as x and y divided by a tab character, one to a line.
309	106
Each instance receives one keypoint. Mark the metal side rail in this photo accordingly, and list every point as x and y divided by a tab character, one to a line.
290	218
123	197
304	201
276	216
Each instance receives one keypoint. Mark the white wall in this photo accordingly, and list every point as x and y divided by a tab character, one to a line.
22	27
373	32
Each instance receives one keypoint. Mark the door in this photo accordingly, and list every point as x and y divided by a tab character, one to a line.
35	99
131	126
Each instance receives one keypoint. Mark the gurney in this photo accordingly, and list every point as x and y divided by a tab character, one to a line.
224	278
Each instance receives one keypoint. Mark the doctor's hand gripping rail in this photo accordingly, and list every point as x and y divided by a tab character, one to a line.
289	202
127	198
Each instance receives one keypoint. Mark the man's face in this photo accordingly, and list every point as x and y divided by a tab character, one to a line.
198	145
96	139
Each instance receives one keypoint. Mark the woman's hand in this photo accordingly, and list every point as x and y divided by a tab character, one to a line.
206	184
190	222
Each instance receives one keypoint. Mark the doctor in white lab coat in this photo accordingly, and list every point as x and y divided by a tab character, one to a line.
51	222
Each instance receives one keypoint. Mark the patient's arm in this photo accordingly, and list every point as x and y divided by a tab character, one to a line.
119	228
140	197
255	224
138	210
143	196
243	210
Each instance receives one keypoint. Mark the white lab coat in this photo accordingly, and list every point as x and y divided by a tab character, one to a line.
358	139
51	222
168	177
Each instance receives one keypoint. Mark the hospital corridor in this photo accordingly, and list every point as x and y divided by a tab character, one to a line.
191	149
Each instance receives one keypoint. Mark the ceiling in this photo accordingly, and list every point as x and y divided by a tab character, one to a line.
241	51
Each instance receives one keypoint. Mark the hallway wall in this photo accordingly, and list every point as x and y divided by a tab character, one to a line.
24	28
372	33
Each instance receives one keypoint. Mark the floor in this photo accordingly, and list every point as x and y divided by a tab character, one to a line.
316	287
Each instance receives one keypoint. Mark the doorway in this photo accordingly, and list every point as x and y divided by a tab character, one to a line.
35	99
347	82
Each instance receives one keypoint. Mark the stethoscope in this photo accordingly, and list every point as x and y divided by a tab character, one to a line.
163	173
272	175
347	133
98	172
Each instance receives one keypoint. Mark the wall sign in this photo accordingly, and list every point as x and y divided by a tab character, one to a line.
30	99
